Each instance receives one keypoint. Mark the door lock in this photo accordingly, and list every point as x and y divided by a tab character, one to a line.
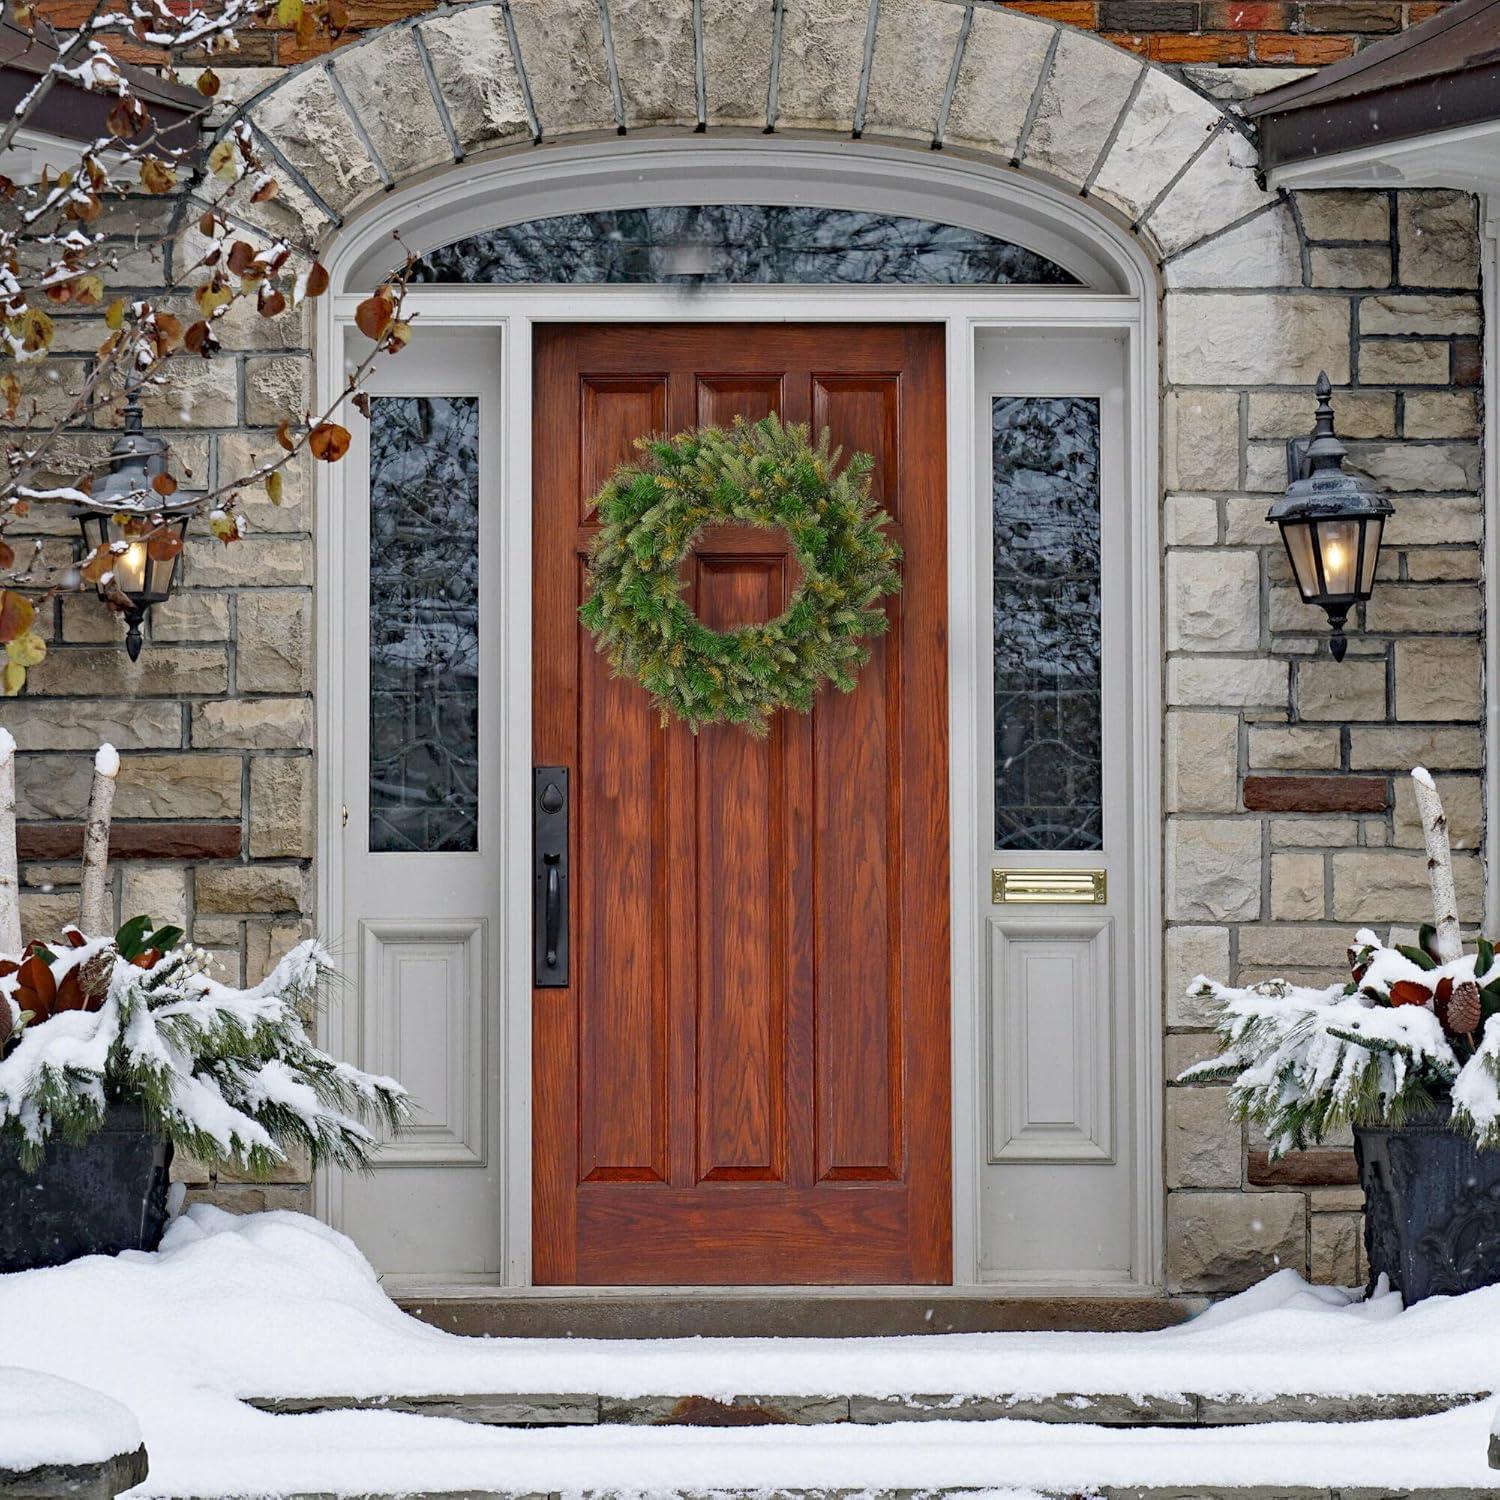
549	876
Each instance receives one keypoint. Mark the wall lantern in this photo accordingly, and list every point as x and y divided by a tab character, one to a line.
1331	522
125	516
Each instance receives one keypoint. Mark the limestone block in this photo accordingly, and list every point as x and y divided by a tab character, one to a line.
274	654
1441	414
1228	682
1225	1242
914	46
1218	189
1296	887
1399	749
191	615
1403	362
193	392
251	888
1341	690
1439	239
282	807
149	786
1438	679
1263	251
1193	952
1203	440
278	388
1213	869
1442	564
1273	748
1087	87
162	671
73	724
1341	214
1463	802
1213	600
1164	126
1190	520
255	561
44	915
1447	607
1204	1147
1313	833
253	724
1202	762
248	1198
1265	338
386	85
1281	947
1419	314
1002	62
266	942
242	453
562	52
1361	414
822	55
472	62
314	132
1336	1242
1233	84
737	61
657	60
156	891
1387	885
1184	1049
1349	265
1428	522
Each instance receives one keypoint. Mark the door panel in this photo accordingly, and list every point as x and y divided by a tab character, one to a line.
748	1079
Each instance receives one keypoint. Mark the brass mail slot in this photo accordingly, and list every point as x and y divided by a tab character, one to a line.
1052	887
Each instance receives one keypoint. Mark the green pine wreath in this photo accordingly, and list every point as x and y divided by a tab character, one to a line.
757	474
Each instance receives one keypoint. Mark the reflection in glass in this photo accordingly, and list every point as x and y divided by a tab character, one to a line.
424	623
1048	768
738	243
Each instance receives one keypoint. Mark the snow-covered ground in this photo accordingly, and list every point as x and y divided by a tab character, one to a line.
47	1420
277	1305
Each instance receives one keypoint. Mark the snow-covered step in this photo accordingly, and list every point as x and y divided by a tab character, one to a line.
988	1492
1097	1410
63	1441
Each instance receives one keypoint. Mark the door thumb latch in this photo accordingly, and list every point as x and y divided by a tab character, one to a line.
549	876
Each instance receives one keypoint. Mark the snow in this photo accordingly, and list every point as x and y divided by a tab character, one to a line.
47	1420
107	761
7	744
277	1304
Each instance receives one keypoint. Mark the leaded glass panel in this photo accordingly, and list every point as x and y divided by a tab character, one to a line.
1045	497
738	243
424	623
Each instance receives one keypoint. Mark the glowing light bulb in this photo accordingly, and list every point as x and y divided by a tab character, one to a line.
130	568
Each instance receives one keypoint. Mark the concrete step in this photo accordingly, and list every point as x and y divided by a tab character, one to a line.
792	1312
92	1481
1098	1410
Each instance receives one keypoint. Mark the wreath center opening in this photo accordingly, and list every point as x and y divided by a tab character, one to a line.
739	577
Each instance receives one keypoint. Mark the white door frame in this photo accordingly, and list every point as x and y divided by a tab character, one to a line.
512	313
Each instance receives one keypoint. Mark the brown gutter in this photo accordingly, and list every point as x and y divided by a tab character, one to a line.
77	114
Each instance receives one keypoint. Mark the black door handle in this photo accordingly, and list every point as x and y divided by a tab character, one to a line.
549	836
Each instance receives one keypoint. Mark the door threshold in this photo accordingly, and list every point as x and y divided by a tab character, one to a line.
779	1312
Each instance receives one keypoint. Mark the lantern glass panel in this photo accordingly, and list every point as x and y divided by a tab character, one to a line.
1374	529
1338	541
1299	547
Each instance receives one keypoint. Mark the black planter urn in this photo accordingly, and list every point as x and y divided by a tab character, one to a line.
98	1197
1432	1207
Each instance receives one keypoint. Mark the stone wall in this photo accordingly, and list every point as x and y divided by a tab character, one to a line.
1287	818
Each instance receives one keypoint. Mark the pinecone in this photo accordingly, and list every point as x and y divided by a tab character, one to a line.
94	976
1463	1013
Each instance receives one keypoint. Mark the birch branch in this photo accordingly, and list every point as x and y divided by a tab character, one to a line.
10	885
1447	941
93	917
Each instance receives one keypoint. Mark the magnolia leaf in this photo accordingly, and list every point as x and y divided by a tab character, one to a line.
328	442
157	176
26	650
224	161
17	613
373	316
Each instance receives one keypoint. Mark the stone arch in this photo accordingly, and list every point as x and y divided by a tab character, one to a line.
1033	96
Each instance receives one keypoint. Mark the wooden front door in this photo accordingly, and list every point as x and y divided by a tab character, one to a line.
747	1079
